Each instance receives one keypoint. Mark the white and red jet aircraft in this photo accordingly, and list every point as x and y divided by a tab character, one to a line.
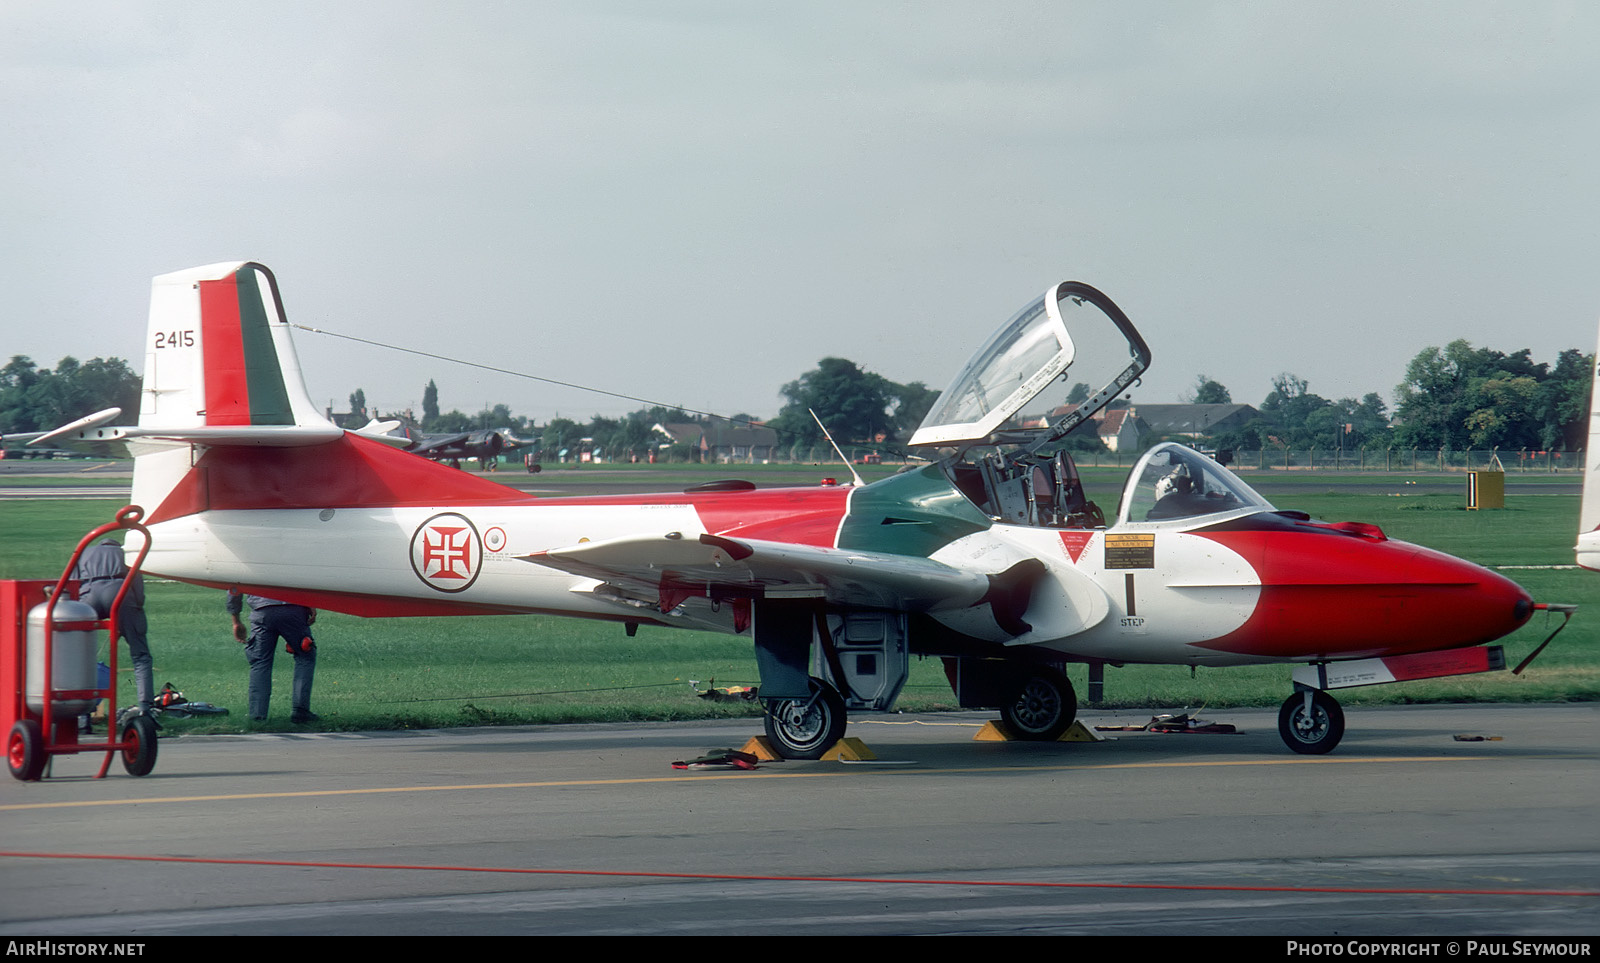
989	556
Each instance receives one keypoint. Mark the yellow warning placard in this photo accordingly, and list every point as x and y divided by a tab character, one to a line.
1131	551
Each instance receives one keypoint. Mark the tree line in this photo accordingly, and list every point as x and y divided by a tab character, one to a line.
39	399
858	406
1456	397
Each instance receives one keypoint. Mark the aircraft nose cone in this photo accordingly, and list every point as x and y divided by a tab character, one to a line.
1472	603
1362	595
1524	608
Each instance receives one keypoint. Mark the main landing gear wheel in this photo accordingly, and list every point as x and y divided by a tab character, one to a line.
806	728
1311	730
25	755
139	756
1045	706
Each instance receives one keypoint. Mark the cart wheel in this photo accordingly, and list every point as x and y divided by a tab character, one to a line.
25	750
139	756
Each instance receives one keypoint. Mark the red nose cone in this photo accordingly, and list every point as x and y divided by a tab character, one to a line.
1469	603
1347	597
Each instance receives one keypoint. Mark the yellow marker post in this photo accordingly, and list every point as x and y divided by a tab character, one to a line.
1486	489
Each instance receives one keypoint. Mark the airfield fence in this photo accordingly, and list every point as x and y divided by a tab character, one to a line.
1409	460
1394	460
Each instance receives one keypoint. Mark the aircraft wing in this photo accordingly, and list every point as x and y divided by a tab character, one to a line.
95	428
83	424
384	431
438	444
268	436
656	566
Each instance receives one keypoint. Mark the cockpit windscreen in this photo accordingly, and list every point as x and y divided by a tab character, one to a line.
1175	482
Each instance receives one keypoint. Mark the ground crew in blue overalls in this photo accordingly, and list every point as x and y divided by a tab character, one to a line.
100	572
271	620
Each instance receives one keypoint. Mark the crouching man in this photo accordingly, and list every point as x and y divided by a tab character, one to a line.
271	620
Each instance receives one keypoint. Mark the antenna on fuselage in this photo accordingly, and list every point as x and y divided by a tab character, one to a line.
854	478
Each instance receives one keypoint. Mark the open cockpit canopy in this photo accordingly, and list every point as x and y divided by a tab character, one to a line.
1052	367
1016	389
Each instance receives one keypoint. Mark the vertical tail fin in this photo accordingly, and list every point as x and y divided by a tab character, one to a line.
225	409
219	352
220	369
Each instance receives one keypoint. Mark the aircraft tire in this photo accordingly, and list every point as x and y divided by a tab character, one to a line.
1315	733
1045	706
139	756
806	728
25	755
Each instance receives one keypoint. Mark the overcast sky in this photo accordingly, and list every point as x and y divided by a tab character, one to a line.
693	202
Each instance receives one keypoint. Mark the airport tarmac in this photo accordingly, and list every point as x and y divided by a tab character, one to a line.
1404	830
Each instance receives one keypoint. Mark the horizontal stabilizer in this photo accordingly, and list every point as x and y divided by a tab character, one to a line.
267	436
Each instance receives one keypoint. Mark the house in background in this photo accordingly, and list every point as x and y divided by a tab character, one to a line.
1192	421
720	440
1121	429
1134	427
1118	429
724	441
685	433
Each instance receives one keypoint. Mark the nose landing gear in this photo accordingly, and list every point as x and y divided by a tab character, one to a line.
1311	722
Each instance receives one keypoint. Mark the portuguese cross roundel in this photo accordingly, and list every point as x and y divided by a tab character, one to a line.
447	552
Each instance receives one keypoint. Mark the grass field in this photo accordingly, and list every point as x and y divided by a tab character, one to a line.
430	672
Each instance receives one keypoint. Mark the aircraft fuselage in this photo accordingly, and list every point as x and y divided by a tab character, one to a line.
1244	587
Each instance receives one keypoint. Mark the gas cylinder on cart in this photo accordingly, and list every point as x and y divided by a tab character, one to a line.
73	667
